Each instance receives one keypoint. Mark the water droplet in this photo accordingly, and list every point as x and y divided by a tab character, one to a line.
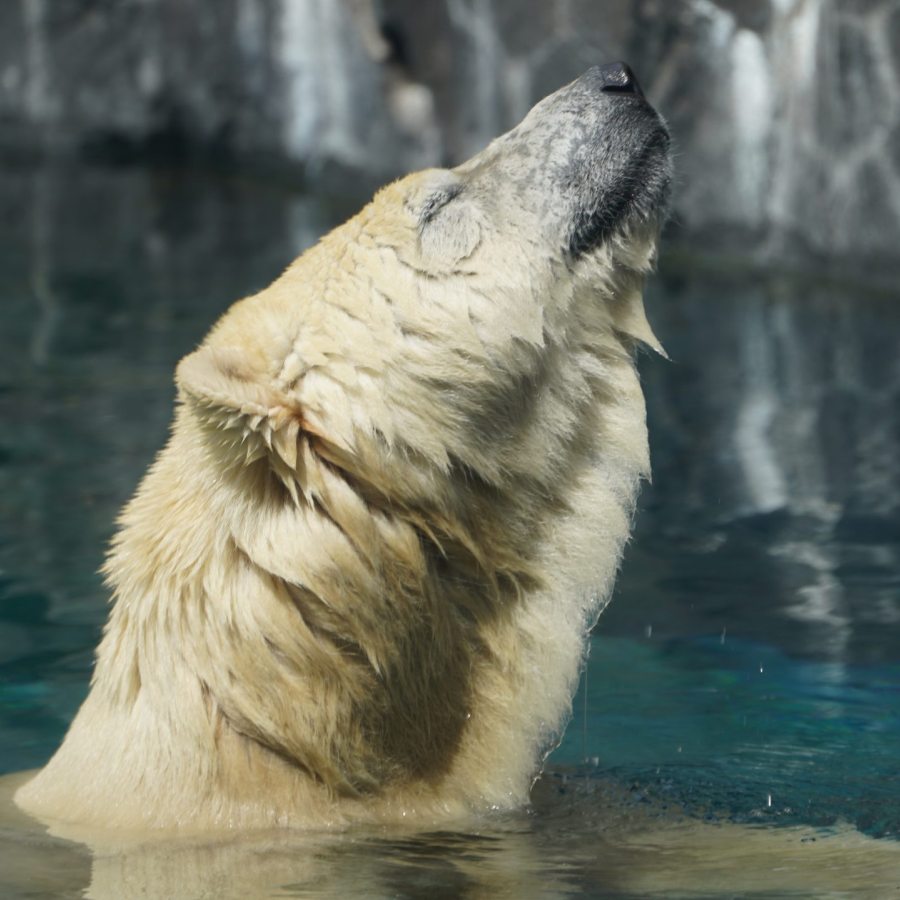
649	631
770	800
722	638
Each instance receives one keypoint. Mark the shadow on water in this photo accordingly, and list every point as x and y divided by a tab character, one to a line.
748	670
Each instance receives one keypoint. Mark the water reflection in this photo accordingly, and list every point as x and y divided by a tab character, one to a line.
775	508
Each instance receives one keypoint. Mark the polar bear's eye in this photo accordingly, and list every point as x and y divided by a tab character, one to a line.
448	231
430	192
437	201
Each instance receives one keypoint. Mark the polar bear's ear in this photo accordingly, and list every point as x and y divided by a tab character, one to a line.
219	379
226	394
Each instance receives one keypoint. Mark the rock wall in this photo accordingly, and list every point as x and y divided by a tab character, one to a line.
302	81
786	113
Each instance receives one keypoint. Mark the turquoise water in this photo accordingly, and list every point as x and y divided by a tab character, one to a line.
748	669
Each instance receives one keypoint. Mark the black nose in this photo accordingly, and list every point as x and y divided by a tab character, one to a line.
618	78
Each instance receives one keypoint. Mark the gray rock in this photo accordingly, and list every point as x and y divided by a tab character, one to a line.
786	113
282	80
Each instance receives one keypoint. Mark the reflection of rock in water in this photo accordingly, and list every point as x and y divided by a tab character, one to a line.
776	453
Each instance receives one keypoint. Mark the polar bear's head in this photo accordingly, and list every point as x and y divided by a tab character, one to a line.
438	304
587	166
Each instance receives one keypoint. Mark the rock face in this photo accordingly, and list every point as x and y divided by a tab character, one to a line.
787	112
274	80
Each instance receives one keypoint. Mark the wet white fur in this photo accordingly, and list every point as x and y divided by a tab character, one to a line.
355	585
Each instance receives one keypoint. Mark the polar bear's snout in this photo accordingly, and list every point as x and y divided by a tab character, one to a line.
588	163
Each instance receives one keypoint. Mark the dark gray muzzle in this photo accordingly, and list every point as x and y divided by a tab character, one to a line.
587	161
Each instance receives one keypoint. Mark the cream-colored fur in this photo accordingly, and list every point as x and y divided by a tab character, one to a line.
355	585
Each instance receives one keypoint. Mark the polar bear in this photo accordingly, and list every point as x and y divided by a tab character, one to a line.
356	584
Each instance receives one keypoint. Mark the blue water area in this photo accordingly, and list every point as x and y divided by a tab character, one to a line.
736	729
747	670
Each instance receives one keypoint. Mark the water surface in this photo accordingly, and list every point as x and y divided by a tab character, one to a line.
743	690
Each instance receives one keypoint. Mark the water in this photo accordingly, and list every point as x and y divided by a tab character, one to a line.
738	729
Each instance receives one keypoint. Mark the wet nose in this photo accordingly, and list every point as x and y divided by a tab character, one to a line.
617	78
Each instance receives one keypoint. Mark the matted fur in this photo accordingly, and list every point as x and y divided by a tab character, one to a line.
356	584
